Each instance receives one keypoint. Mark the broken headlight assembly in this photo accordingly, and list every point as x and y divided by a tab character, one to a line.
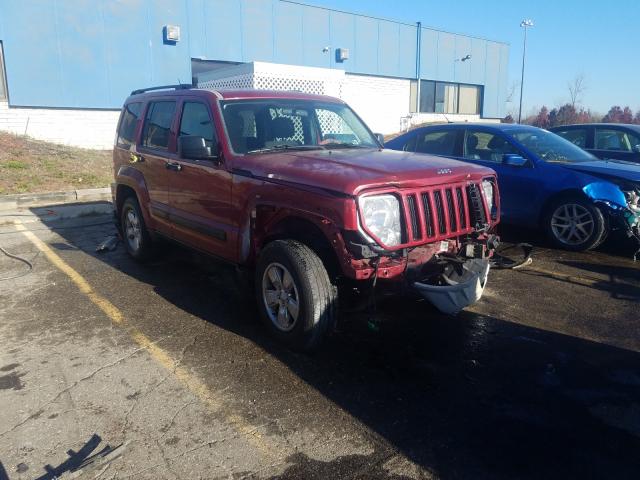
380	216
632	216
488	191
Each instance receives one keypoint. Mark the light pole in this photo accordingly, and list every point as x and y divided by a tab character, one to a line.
525	24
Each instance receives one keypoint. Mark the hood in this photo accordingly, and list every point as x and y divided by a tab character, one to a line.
608	169
352	170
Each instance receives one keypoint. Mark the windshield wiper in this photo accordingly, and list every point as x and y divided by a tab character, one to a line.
275	148
344	145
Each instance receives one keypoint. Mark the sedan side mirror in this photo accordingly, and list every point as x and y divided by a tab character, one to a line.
636	149
380	138
514	160
193	147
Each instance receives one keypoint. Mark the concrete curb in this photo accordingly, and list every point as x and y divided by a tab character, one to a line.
27	200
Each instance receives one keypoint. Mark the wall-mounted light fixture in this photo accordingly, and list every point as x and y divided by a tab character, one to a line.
465	58
342	54
171	33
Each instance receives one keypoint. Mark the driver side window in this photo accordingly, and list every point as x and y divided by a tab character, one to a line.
197	121
479	145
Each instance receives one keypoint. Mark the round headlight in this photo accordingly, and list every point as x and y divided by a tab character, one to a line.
381	216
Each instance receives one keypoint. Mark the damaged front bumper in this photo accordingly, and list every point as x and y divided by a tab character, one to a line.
459	285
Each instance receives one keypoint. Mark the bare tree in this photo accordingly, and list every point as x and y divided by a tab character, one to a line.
576	88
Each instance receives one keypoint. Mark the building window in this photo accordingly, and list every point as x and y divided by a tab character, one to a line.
427	96
469	99
446	97
3	79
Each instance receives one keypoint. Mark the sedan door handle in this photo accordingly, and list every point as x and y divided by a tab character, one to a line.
176	167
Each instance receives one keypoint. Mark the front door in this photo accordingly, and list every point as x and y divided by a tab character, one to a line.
520	187
200	190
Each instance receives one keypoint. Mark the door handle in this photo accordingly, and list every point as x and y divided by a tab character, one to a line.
135	158
176	167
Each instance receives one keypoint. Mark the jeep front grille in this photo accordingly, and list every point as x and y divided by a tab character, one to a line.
476	204
443	212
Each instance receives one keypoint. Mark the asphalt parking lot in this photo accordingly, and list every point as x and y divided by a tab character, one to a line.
540	379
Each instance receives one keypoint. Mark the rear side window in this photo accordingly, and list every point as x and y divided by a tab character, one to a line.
577	136
438	143
127	130
197	121
157	125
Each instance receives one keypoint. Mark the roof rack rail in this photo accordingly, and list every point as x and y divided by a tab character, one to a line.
180	86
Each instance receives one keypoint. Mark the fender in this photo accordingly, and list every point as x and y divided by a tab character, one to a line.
133	179
607	193
266	212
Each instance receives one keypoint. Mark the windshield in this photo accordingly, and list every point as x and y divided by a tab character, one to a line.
263	125
551	147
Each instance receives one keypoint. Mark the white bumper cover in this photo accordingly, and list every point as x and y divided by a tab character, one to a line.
461	291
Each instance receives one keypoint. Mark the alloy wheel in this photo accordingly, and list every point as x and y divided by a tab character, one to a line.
280	295
572	224
133	231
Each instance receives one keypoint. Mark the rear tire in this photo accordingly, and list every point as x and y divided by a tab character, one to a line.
575	224
135	235
294	296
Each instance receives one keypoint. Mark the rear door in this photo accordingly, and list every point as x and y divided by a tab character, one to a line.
616	143
151	157
200	190
445	142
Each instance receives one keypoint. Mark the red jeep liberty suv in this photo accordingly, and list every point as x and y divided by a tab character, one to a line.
298	189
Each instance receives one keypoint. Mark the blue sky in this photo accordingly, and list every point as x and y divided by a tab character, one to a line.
598	39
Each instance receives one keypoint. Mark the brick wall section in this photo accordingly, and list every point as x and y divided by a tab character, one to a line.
93	129
380	102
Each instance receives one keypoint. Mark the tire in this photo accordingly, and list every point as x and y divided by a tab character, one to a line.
135	235
575	224
295	298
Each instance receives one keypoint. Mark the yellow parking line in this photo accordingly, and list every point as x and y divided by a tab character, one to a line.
192	383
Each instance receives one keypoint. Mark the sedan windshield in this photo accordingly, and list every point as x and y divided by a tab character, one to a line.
264	125
551	147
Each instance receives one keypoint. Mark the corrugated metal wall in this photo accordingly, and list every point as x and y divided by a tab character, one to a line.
87	53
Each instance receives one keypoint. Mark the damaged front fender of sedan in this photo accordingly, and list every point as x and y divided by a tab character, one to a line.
623	206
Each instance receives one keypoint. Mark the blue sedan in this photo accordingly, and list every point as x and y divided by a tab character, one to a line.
545	181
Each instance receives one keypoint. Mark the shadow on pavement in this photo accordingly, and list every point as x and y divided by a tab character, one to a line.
616	244
470	396
83	461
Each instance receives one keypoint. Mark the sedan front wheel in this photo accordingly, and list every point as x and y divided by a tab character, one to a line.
575	224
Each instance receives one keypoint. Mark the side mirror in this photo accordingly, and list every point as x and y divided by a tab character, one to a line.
193	147
380	138
636	148
514	160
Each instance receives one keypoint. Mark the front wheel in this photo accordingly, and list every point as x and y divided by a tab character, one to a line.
575	224
295	298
